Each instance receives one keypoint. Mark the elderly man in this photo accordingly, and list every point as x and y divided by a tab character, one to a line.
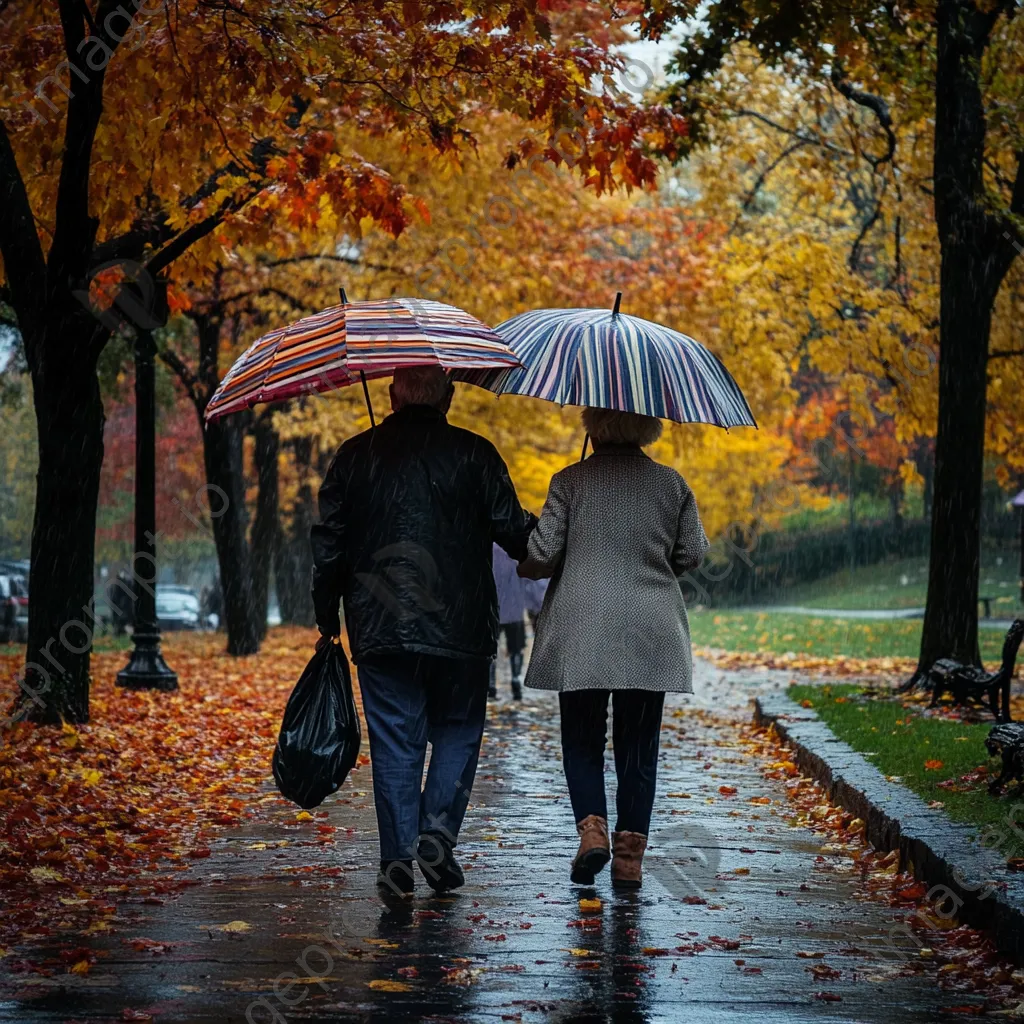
409	511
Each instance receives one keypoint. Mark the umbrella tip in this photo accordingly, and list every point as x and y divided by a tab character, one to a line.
344	297
618	300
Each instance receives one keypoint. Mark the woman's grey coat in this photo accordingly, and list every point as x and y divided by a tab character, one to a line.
616	533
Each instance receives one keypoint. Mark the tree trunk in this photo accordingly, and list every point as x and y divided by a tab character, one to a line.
896	502
265	527
924	459
293	564
69	417
222	452
951	613
975	260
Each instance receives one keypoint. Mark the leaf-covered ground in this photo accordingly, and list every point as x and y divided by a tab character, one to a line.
130	801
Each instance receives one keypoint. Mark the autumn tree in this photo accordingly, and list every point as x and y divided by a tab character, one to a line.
151	133
504	236
957	62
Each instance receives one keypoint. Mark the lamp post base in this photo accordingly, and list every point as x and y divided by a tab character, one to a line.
146	669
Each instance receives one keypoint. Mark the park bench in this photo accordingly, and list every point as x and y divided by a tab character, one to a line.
1008	740
970	684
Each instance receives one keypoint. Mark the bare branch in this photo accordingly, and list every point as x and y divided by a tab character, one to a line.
260	293
1017	196
185	375
810	140
74	230
763	177
873	103
24	263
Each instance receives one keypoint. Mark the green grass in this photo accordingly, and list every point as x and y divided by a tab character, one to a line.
897	738
780	633
902	583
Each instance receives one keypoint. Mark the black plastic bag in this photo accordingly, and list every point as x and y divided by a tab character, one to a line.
319	740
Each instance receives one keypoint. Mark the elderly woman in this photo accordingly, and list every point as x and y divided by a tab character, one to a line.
616	533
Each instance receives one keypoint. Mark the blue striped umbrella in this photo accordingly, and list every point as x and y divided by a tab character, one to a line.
607	359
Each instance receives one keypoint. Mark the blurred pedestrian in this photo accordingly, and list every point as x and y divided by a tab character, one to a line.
511	590
211	602
616	533
121	596
409	510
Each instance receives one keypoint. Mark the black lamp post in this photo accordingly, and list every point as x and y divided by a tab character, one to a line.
146	668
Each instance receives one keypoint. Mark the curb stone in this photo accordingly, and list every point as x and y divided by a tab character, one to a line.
942	853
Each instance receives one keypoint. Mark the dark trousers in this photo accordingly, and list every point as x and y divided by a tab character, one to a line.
411	700
636	730
515	640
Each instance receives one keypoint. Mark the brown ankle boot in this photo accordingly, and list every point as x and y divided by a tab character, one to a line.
629	855
593	853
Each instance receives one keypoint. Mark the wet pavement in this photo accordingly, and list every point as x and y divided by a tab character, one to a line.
866	613
741	916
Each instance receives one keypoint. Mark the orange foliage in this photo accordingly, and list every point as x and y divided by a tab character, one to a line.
132	798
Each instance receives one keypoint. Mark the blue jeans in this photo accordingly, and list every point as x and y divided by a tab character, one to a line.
410	700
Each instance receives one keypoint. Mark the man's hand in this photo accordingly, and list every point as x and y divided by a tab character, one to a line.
332	628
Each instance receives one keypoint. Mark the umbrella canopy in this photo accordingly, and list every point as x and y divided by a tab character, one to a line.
352	342
1018	502
603	358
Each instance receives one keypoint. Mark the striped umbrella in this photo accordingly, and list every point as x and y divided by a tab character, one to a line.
607	359
356	341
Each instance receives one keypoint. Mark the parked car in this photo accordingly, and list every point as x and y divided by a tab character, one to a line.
13	609
177	607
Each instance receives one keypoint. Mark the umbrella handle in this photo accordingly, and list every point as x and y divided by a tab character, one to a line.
366	395
586	441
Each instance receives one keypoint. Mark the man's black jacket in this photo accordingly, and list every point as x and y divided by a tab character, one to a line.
408	511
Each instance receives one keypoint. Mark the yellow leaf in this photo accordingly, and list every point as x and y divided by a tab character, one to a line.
384	985
235	926
303	816
47	875
82	967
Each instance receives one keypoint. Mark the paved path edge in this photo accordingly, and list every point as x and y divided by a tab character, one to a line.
968	881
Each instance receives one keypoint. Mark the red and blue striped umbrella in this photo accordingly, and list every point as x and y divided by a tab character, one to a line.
606	359
353	342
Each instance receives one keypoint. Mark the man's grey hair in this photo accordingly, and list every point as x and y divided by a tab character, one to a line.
609	426
420	385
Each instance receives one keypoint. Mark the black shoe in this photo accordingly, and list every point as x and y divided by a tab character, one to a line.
437	861
517	690
396	877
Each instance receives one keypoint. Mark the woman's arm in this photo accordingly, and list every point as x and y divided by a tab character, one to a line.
546	547
691	541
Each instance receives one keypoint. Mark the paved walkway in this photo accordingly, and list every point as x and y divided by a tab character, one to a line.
741	917
865	613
